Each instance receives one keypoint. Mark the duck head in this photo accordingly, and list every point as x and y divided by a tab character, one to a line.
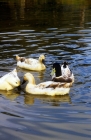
65	64
29	77
56	70
42	58
13	80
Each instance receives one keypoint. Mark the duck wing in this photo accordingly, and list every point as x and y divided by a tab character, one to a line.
51	84
62	79
31	61
18	58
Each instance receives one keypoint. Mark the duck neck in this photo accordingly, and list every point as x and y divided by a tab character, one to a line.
58	72
31	81
40	60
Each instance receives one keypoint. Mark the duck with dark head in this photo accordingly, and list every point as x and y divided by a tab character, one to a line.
62	73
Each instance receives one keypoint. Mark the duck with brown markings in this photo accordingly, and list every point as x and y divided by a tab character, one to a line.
62	73
31	63
45	88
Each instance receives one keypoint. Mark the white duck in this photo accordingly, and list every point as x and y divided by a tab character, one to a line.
9	81
62	73
30	63
46	88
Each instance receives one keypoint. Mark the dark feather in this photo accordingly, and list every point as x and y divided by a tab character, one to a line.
55	85
22	59
62	79
65	64
57	69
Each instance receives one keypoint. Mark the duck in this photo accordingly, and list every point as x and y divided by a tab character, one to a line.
9	81
50	88
62	73
31	63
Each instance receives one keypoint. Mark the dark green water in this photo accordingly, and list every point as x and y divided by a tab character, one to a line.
62	31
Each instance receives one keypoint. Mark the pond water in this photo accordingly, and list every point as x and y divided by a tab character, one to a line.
62	31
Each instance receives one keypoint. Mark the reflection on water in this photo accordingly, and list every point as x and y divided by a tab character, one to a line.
37	13
61	30
53	100
11	95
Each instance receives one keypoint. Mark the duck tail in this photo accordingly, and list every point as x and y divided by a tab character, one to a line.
22	59
17	58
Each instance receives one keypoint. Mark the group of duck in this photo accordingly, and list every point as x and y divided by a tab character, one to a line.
60	83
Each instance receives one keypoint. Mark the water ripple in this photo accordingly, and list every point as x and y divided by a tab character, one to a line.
26	112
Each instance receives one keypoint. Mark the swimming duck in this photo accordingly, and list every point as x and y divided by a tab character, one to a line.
30	63
9	81
46	88
62	73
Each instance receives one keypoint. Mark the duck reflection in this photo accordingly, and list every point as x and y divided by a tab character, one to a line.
11	95
53	100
